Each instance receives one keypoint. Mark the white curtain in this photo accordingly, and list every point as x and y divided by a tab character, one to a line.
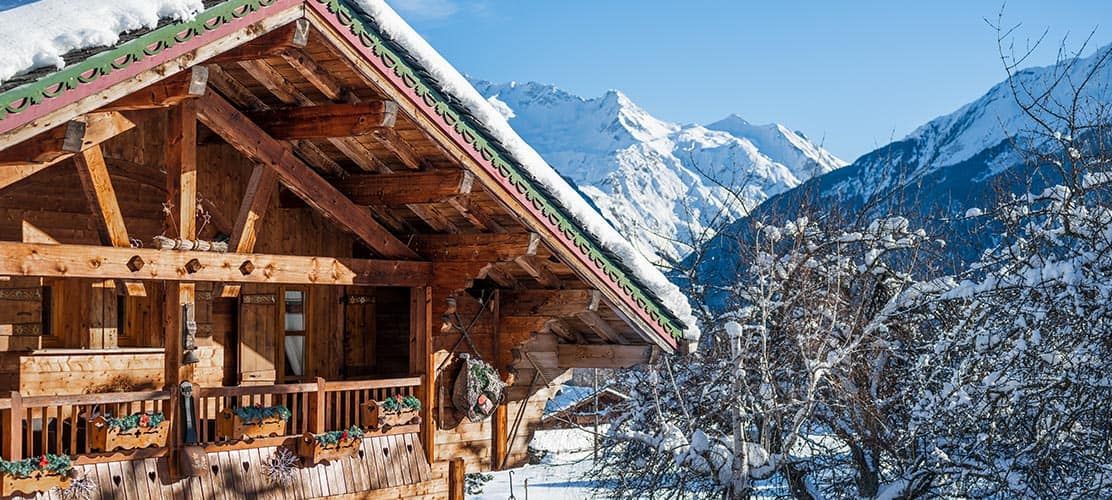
295	354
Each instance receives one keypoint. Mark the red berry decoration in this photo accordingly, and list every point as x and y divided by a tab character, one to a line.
144	420
43	462
344	436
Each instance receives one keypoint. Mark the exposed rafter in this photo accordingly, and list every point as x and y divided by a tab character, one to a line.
242	97
288	93
253	142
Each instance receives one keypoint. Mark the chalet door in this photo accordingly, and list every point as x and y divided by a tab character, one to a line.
21	312
359	333
258	327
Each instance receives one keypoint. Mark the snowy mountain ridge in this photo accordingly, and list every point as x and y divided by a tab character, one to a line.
657	181
947	166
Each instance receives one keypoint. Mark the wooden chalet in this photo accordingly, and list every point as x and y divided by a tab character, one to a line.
274	203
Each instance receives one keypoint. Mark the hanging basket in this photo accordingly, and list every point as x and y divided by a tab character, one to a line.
478	389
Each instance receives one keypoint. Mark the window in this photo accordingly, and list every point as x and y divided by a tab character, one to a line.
293	343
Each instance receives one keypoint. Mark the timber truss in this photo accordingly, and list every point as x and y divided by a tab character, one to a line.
334	119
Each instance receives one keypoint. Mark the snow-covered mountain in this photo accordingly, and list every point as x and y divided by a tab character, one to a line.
945	167
657	181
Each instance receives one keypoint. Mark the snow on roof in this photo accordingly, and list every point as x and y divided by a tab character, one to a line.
570	395
390	24
40	33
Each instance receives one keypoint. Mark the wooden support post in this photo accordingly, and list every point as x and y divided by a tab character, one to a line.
498	449
181	170
422	324
13	429
175	371
317	407
456	478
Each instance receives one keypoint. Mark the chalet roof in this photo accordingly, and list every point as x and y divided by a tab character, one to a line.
570	397
131	31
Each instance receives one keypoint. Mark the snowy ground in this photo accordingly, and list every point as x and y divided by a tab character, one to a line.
563	473
561	476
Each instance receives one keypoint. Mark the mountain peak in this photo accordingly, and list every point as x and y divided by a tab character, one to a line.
648	175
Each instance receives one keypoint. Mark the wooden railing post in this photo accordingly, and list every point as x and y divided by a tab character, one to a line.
456	474
13	429
316	408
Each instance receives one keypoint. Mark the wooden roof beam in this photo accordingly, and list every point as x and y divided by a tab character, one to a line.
394	143
294	35
561	329
60	143
100	262
433	218
260	188
97	185
328	120
496	273
553	303
336	91
598	325
536	268
162	94
602	356
484	247
244	98
253	142
288	93
405	188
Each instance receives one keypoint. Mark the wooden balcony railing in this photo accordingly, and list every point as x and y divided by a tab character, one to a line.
32	426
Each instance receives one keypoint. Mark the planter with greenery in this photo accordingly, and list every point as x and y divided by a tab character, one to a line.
328	446
33	475
395	411
138	430
249	422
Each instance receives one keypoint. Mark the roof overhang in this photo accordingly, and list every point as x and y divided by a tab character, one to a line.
84	86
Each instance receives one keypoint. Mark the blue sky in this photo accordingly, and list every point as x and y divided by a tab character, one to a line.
854	75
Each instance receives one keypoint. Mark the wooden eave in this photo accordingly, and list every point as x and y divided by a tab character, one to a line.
344	61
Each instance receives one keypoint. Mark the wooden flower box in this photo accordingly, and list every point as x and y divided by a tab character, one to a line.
376	416
105	437
230	426
312	451
39	481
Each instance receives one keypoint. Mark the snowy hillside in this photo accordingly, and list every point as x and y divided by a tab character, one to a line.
948	165
657	181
